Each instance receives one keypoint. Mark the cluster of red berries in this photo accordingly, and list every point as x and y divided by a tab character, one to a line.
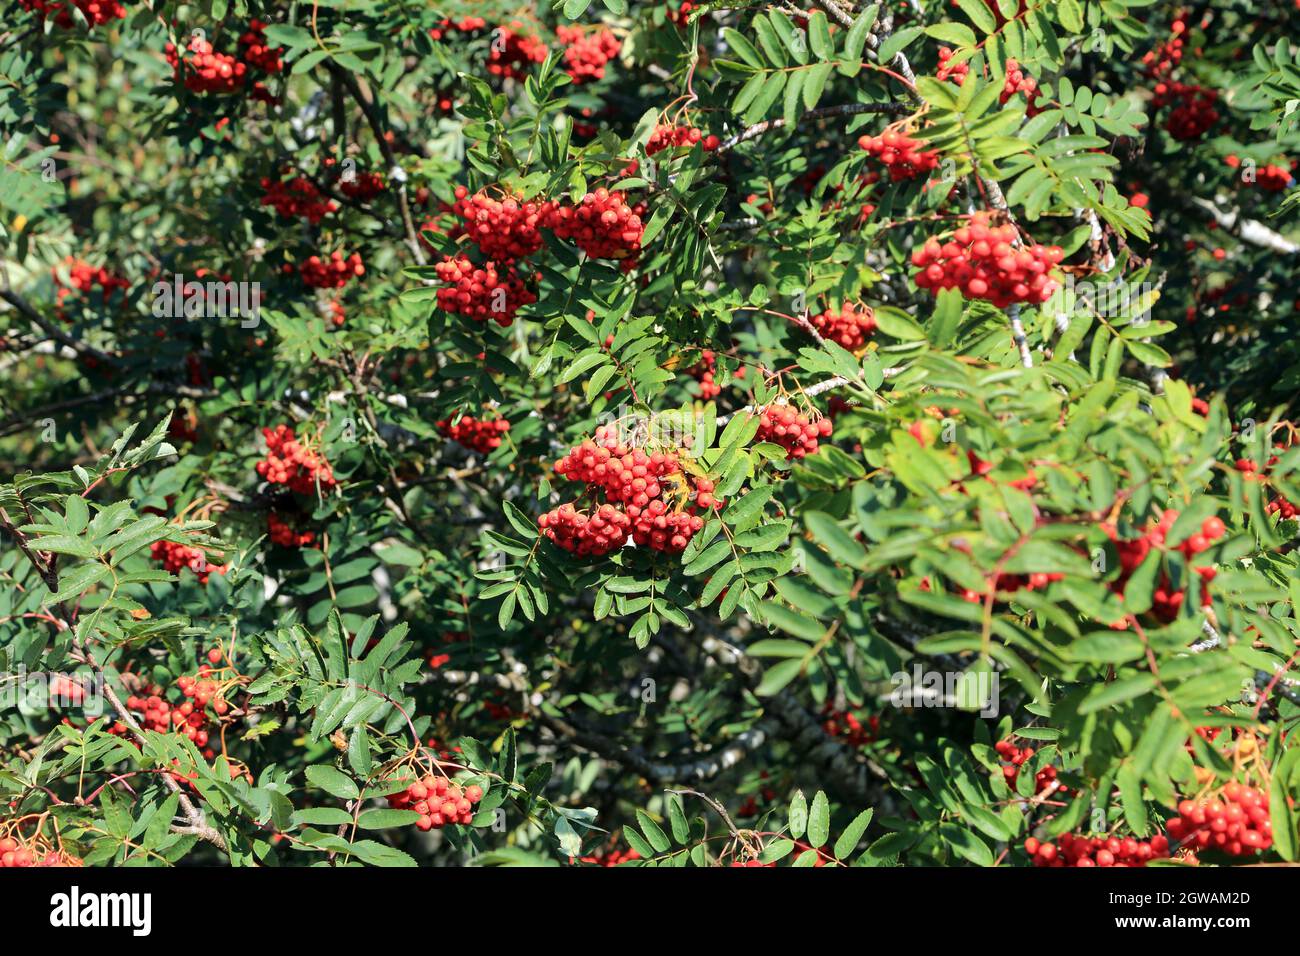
463	25
1009	583
705	372
206	70
1236	822
1160	62
982	261
152	712
1133	551
681	16
587	51
1194	106
648	495
96	12
333	272
190	718
282	534
670	137
255	51
1274	178
949	70
848	727
15	855
796	433
334	311
438	801
1017	756
1193	110
83	277
850	327
297	197
587	535
514	51
623	473
1279	505
176	556
482	292
482	435
902	155
289	462
602	225
611	857
156	714
1017	82
361	186
1076	850
503	229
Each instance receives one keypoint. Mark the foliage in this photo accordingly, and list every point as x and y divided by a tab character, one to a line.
1061	530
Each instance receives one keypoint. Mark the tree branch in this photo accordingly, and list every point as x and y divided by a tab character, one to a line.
366	101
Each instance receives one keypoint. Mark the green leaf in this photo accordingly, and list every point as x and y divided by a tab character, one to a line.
1286	775
332	781
1105	647
636	842
958	34
770	41
838	542
740	512
1070	15
791	621
979	14
1129	780
856	39
966	844
819	36
849	839
819	821
380	854
798	822
1142	585
1116	692
777	677
677	820
79	581
653	832
743	48
76	514
381	819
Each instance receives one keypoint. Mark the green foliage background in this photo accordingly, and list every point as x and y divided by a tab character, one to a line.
674	706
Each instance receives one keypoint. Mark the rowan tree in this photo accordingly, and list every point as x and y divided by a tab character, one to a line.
632	433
